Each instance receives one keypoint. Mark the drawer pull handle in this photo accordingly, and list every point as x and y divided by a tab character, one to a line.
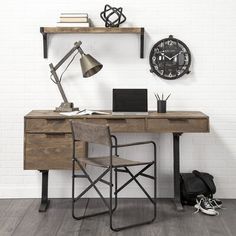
178	120
116	121
55	120
55	134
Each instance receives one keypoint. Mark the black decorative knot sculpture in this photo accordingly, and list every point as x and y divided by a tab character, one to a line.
112	16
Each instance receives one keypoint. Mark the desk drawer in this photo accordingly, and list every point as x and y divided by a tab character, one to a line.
177	125
47	125
50	151
122	125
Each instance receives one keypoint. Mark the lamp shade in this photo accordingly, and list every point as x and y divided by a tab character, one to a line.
89	65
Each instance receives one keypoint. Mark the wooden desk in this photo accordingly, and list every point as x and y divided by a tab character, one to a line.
48	141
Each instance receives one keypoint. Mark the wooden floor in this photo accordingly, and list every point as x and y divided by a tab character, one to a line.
21	218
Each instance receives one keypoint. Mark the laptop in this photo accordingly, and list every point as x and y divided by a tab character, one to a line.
129	102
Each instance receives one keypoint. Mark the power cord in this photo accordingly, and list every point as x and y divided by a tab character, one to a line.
64	70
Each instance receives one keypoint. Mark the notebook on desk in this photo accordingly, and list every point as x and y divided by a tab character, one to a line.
129	102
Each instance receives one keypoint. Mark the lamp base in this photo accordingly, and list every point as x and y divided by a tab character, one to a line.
66	106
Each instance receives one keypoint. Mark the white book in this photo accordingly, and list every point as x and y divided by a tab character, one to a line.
91	112
62	24
69	113
73	19
84	112
74	15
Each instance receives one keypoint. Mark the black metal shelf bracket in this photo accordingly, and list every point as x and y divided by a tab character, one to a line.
45	42
142	43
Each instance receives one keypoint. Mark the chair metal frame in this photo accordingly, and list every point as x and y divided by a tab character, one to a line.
121	169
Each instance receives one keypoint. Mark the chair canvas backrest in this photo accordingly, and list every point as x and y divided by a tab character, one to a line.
91	133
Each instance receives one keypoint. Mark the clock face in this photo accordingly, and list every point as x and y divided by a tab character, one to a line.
170	58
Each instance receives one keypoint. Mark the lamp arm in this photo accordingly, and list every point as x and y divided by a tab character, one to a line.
58	83
54	68
76	47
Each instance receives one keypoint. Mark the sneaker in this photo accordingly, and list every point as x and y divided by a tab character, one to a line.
204	205
216	203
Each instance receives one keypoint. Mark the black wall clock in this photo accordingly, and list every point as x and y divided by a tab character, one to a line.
170	58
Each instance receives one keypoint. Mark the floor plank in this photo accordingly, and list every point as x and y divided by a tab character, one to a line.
4	204
70	226
129	211
13	215
31	221
176	223
21	217
98	225
228	216
53	218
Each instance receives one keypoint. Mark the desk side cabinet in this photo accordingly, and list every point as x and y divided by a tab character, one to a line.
48	144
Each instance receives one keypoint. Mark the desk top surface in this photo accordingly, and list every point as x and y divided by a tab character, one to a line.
151	114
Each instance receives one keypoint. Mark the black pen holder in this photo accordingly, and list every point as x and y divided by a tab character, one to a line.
161	106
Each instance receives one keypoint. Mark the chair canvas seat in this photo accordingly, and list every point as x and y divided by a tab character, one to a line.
105	161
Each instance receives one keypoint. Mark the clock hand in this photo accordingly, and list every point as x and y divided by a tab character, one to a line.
176	55
162	53
167	57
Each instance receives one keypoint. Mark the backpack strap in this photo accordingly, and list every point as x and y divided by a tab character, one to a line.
205	181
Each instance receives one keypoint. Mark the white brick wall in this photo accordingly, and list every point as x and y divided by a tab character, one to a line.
207	27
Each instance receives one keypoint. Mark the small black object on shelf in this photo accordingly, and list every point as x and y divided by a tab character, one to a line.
108	17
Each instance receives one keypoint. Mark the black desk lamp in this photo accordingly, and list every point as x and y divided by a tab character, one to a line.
89	66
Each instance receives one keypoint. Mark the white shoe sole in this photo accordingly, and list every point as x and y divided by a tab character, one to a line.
210	212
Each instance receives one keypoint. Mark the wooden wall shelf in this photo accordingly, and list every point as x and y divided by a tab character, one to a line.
91	30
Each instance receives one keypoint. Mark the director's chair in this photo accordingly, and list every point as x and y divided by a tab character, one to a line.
100	134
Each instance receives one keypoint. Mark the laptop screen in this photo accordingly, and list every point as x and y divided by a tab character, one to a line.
129	100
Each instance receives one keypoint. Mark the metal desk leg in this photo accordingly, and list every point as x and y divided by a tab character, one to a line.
44	199
177	200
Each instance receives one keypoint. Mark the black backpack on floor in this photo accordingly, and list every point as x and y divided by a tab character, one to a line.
196	183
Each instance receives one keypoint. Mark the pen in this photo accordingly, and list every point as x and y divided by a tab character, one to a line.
157	96
81	111
168	96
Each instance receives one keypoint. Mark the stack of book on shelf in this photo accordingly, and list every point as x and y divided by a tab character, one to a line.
74	20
